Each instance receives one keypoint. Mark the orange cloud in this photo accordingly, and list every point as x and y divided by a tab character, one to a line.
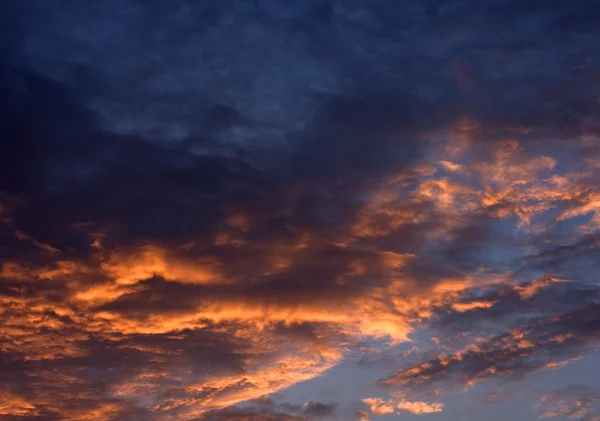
14	405
154	320
129	268
419	408
380	406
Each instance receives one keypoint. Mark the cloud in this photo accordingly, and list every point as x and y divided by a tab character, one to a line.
544	343
575	401
319	409
242	415
202	205
379	406
419	408
361	414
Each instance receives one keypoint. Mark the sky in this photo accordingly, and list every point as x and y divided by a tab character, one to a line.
299	210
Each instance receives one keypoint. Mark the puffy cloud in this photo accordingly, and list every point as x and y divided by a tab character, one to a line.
379	406
419	408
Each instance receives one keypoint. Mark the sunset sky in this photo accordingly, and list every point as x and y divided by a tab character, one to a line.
299	210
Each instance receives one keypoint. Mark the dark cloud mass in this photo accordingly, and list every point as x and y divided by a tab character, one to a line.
209	209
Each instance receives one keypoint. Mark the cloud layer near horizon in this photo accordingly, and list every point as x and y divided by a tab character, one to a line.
180	241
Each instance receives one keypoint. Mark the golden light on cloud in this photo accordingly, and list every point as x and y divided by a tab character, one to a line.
419	408
14	405
299	211
379	406
130	268
179	329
